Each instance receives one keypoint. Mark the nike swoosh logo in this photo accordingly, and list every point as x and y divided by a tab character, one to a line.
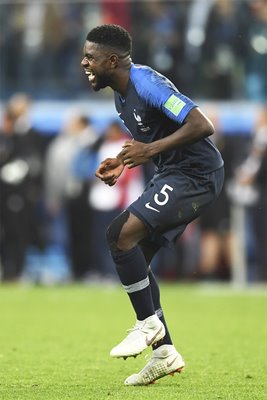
169	364
147	205
149	342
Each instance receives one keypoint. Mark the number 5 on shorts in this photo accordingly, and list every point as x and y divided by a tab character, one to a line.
164	192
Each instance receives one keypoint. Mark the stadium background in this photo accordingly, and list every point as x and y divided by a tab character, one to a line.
215	51
58	322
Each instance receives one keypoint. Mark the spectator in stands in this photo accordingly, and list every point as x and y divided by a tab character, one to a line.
159	36
22	150
255	59
213	47
223	49
66	192
215	236
252	174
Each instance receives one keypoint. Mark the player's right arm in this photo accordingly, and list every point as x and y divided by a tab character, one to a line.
110	170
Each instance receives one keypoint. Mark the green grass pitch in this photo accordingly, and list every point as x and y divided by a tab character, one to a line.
55	343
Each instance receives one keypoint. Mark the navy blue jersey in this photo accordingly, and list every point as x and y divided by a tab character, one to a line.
152	109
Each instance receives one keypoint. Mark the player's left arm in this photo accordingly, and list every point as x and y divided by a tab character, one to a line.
158	92
195	127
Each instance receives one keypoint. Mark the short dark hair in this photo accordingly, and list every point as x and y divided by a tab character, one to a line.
111	35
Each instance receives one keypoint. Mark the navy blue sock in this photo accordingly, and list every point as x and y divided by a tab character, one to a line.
157	306
132	270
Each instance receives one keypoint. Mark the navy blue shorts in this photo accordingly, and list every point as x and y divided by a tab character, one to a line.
172	199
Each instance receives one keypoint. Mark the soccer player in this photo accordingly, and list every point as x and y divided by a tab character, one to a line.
169	129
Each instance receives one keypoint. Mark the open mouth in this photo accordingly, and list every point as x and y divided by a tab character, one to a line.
90	75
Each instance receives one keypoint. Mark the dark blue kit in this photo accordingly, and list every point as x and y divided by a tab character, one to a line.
187	180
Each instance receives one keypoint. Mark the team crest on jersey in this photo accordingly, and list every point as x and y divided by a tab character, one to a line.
141	125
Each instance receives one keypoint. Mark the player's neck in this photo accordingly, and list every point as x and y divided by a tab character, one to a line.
122	75
120	83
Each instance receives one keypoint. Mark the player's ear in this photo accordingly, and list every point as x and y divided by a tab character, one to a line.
113	59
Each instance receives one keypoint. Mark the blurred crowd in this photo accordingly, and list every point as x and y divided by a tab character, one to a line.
53	211
211	49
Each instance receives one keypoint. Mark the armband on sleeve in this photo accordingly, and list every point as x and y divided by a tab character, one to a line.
177	107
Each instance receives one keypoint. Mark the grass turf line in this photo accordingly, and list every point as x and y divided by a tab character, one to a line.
55	344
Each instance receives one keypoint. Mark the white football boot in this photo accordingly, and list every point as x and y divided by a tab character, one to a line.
164	361
142	335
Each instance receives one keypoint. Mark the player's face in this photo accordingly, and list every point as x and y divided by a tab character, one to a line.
96	65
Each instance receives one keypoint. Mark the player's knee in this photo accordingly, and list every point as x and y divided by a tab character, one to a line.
114	230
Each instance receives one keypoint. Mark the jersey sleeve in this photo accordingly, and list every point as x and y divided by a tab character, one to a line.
160	92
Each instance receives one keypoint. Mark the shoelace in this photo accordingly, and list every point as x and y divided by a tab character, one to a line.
136	327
